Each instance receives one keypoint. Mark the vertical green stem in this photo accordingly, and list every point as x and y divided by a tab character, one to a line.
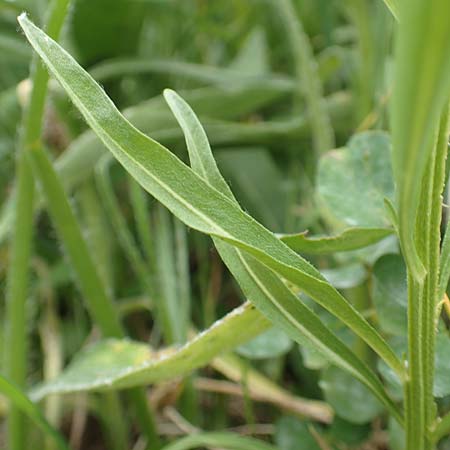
421	408
17	282
414	403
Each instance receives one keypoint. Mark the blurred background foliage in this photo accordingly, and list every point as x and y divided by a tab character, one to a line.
252	70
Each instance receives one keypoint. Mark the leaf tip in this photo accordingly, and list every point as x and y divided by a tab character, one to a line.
21	18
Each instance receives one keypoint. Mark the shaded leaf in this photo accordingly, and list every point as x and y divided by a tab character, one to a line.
353	182
350	399
389	294
270	344
291	433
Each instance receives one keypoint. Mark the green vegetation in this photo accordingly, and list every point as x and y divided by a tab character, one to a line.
224	224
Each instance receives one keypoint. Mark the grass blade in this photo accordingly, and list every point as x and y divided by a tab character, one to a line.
308	78
22	220
24	404
188	196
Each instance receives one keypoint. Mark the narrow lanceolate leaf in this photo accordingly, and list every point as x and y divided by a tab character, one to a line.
265	289
116	363
422	86
22	402
190	197
349	239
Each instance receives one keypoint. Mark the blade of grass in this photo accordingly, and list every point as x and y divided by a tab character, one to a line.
264	389
22	218
119	225
24	404
308	79
393	7
190	197
102	310
198	72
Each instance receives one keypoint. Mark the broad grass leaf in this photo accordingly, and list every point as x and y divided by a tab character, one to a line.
353	182
348	240
389	294
421	89
194	201
114	363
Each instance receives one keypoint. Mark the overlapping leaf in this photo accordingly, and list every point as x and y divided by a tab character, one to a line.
196	203
115	363
257	281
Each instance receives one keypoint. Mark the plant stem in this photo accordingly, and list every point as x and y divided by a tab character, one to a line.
17	278
414	403
423	300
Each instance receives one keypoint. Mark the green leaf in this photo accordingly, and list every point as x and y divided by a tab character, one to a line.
258	283
290	432
353	182
350	399
270	344
114	363
421	89
441	386
389	294
346	277
22	402
349	239
253	58
442	365
191	199
444	267
229	441
393	7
